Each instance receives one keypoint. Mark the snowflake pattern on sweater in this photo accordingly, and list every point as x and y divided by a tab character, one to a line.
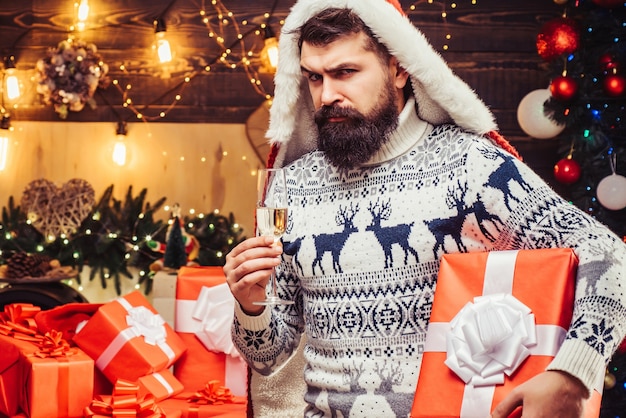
361	257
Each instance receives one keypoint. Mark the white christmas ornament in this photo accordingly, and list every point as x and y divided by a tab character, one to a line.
531	117
611	192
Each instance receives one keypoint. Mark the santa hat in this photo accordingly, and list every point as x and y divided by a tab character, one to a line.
441	96
65	318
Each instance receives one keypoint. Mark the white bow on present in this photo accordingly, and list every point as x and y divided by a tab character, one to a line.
215	309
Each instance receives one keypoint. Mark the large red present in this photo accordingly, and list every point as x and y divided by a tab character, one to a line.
196	291
128	339
498	319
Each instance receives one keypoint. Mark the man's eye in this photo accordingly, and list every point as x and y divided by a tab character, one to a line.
314	77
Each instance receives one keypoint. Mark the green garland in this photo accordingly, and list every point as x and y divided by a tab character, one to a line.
113	238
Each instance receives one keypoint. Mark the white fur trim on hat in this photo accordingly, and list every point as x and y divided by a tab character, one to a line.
441	96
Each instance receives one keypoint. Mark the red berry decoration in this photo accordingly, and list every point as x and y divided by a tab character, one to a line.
563	88
567	171
615	85
557	36
608	63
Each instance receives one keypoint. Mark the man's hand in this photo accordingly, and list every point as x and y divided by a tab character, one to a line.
551	394
248	267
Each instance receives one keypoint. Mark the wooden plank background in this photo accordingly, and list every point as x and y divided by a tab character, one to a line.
492	48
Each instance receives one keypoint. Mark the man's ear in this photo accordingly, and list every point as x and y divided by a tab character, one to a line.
401	75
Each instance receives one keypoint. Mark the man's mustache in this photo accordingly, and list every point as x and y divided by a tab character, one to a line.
327	112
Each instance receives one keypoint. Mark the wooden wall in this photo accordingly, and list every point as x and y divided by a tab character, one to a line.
200	166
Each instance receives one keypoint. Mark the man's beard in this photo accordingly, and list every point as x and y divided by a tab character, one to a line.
353	141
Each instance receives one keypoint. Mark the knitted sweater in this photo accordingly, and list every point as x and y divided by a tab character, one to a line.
361	257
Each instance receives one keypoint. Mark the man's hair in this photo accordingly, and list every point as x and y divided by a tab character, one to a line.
332	24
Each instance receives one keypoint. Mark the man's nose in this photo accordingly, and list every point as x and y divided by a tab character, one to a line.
330	93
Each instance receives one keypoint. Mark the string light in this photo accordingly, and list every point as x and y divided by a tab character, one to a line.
162	44
269	54
444	16
82	14
233	54
119	149
11	81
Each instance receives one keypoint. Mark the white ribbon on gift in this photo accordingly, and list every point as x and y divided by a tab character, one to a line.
491	337
159	378
215	308
142	322
210	318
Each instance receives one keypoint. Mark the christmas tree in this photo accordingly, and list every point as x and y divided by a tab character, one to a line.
585	50
175	256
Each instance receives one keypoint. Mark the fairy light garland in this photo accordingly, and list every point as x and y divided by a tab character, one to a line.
233	55
444	16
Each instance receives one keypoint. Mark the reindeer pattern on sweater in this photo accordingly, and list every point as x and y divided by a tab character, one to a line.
361	257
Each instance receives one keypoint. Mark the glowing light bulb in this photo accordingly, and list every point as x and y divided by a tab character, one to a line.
162	45
269	54
12	83
119	149
83	11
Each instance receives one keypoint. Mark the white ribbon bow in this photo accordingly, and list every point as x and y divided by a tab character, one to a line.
215	308
490	338
147	324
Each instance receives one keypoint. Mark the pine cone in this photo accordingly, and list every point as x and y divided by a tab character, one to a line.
19	266
22	265
40	264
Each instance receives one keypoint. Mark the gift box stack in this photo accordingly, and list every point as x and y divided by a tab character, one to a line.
123	357
203	308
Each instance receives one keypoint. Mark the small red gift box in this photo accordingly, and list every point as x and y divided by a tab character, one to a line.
56	386
128	339
199	364
161	385
497	320
127	400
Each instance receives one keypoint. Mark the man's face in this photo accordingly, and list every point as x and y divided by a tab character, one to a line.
357	98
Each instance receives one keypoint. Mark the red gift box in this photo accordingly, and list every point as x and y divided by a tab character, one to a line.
61	377
199	364
128	339
213	400
127	400
11	381
56	386
161	385
486	289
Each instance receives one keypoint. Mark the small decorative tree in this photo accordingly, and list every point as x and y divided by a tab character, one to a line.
175	256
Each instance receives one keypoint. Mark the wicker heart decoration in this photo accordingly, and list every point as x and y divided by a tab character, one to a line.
56	210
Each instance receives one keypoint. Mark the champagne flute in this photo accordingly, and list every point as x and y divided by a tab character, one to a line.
271	218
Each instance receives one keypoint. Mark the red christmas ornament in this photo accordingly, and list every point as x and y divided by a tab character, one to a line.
557	36
567	171
563	88
609	4
607	62
615	85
